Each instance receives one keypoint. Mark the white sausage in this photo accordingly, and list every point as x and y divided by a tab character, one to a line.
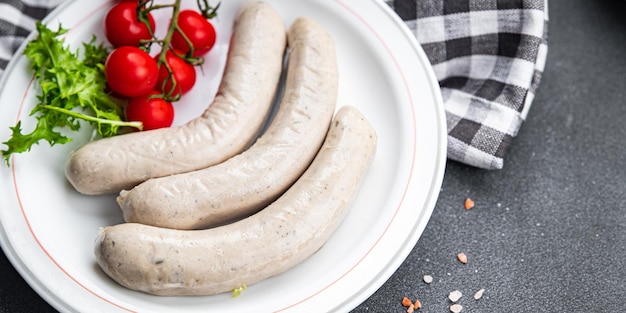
251	180
226	127
164	261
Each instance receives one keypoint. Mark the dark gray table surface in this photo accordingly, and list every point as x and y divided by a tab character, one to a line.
548	232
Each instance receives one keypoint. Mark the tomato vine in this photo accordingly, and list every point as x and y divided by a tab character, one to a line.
144	8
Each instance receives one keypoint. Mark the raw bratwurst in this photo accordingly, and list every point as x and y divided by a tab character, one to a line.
226	127
251	180
164	261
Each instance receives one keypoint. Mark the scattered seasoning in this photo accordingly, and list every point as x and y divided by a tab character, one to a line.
469	204
410	307
454	296
428	279
462	257
406	301
408	304
479	294
456	308
417	305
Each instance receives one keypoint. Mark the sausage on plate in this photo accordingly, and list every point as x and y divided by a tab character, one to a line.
165	261
251	180
234	119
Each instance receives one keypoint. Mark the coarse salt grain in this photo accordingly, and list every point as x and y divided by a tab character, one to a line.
456	308
469	204
417	305
479	294
454	296
462	257
406	301
428	279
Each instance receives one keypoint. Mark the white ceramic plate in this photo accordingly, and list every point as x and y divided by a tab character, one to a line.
47	229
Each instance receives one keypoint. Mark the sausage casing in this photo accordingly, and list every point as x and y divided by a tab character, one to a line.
229	124
251	180
164	261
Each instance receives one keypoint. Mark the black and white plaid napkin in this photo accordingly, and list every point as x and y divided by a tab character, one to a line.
17	20
488	56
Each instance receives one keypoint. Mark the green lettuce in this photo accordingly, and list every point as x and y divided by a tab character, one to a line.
73	88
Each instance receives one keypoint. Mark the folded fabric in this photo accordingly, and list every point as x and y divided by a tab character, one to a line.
17	20
488	56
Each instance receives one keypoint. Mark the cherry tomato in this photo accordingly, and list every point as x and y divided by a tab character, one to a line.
184	75
122	28
152	112
198	30
130	71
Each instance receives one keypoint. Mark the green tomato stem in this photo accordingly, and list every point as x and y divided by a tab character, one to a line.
143	8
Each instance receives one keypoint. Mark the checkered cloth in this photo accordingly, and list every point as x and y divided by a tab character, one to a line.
488	56
17	20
